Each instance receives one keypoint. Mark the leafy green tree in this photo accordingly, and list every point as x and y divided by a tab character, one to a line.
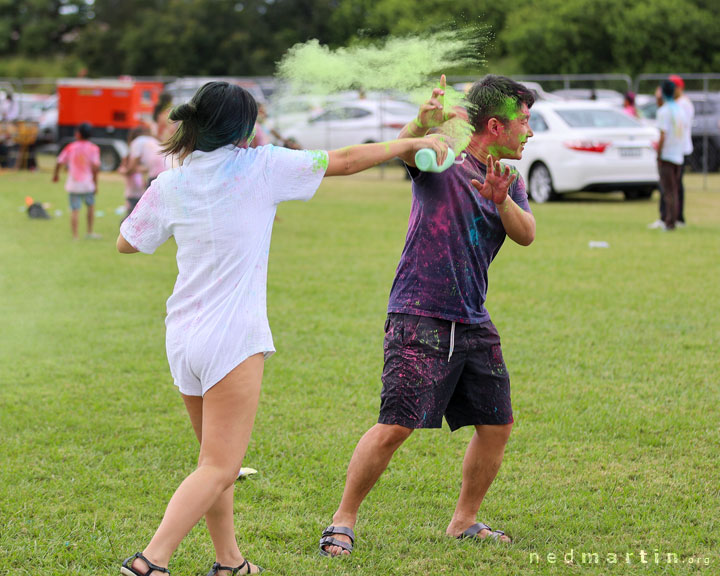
665	35
586	36
557	36
40	27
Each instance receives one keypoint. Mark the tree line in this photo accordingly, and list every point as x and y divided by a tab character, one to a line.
248	37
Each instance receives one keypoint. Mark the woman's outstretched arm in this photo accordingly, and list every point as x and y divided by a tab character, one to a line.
353	159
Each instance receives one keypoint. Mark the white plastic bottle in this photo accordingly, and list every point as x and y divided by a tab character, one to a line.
426	160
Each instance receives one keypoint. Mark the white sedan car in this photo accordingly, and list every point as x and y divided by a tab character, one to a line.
353	122
587	146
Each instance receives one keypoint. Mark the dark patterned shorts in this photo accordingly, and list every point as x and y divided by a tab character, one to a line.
422	381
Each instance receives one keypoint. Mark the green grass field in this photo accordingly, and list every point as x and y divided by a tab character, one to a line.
613	354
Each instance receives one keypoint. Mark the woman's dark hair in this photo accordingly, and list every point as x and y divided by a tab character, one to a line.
218	114
496	97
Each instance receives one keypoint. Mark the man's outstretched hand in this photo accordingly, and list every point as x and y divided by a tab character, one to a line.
497	181
433	113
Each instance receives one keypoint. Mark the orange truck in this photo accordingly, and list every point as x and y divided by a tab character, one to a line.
112	107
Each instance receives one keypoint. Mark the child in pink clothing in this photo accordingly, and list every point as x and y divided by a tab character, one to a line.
82	159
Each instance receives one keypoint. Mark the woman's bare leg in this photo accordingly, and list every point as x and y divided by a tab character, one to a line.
220	518
228	415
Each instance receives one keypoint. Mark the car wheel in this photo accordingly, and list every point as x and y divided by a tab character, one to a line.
642	194
541	186
109	159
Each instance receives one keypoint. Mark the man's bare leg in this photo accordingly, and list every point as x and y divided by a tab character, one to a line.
482	461
372	455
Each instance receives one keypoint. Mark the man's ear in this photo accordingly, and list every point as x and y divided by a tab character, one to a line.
494	126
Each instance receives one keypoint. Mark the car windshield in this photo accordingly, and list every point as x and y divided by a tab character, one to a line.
595	118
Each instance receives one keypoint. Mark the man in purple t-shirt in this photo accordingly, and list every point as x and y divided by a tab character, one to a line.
442	352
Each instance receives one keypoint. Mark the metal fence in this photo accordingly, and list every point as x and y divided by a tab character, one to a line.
601	86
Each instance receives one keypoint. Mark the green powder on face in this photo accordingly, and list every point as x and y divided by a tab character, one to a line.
500	151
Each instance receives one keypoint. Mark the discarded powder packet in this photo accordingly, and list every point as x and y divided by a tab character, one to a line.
598	244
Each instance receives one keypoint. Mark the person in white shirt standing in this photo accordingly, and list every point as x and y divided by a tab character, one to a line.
687	107
219	205
671	121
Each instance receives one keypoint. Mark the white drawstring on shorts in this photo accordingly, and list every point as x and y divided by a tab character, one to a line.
452	340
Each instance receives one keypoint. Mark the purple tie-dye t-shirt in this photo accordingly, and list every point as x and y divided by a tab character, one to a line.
453	236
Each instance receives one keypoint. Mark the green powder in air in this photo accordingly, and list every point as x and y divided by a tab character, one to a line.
411	65
398	63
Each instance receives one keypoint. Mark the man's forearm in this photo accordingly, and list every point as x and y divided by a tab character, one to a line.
519	225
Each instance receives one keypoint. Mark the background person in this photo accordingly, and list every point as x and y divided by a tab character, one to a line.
219	205
9	108
262	133
442	351
135	180
82	159
687	107
629	105
163	127
146	155
671	121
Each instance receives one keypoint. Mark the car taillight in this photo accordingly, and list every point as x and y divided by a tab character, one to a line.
655	145
587	145
395	125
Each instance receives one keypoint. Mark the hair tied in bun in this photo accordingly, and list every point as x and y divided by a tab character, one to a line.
184	112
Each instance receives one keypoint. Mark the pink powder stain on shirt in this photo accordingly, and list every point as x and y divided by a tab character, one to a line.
441	222
80	157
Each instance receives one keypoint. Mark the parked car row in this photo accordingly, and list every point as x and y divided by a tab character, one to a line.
578	144
352	122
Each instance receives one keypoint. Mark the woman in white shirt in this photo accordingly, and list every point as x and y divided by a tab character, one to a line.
220	206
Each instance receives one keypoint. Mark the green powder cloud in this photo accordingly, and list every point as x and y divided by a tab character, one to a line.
411	65
398	63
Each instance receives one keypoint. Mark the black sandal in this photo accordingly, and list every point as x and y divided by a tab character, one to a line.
476	528
217	567
328	540
127	570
